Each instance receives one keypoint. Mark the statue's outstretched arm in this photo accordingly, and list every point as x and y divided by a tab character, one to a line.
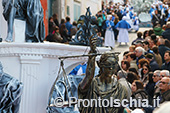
85	83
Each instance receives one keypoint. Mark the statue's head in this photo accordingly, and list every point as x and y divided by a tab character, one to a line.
108	63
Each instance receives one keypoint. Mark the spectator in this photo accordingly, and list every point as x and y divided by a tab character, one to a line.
116	32
74	29
139	37
142	62
55	18
138	44
166	33
64	33
150	87
125	55
131	76
68	25
133	70
139	54
145	34
151	32
145	71
156	79
100	21
153	64
158	57
164	90
132	48
162	48
62	22
167	43
164	73
51	25
56	37
146	47
131	58
121	76
166	65
125	65
138	91
158	30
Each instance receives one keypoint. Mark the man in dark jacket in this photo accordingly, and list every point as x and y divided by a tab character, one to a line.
162	48
166	33
153	64
166	65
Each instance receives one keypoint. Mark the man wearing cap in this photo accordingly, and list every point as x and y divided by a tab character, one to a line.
153	64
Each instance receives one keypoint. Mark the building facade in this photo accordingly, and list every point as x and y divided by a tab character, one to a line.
73	8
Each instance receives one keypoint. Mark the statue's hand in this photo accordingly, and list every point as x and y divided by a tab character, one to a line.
93	41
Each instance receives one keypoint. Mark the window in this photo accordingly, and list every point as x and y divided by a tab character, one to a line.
68	10
77	11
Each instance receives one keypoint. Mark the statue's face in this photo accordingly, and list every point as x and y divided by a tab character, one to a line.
110	66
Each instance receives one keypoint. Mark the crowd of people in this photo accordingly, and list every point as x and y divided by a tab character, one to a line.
146	66
110	20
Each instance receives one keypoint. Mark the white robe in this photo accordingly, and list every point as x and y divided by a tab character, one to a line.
109	38
123	35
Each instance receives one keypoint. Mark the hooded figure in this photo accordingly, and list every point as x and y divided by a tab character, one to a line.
109	35
123	26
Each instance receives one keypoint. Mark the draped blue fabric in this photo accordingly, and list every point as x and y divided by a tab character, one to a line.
10	94
123	24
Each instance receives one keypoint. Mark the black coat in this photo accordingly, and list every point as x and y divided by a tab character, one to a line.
166	34
162	49
154	65
166	66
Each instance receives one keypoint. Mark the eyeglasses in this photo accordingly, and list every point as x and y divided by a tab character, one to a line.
145	69
154	75
162	75
163	82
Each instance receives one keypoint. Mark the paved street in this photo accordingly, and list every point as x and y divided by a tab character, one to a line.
124	47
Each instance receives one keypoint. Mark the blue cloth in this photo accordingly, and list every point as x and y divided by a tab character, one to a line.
113	18
75	70
10	94
68	26
123	24
109	24
131	14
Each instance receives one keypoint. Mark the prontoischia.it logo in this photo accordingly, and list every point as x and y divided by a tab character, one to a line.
59	102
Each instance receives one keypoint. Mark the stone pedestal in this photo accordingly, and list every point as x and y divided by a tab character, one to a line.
36	66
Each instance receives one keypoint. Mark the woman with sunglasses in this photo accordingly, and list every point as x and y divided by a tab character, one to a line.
138	91
145	71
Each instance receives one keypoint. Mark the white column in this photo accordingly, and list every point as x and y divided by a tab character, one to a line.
30	69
